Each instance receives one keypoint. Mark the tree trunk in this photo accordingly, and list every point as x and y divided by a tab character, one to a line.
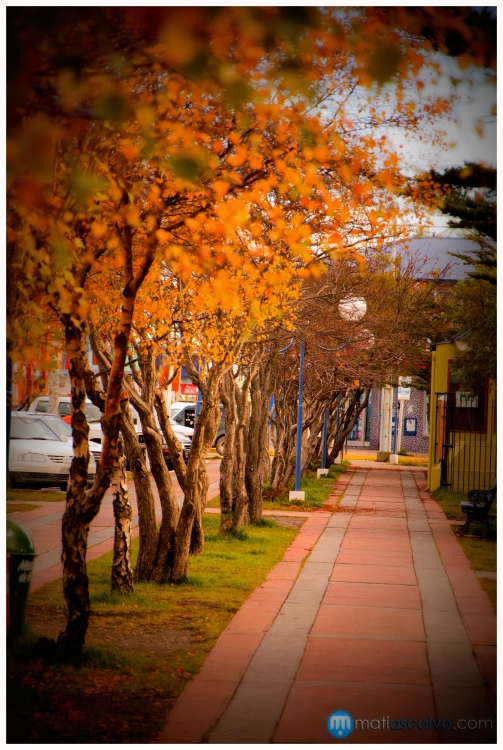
144	405
257	458
175	449
197	534
227	397
240	498
348	421
196	481
122	571
78	513
149	536
312	442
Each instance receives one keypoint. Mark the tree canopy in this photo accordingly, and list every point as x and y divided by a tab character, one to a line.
175	174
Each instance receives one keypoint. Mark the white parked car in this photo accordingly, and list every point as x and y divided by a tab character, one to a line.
38	456
93	414
64	431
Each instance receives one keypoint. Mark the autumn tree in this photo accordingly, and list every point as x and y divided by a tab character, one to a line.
137	135
362	324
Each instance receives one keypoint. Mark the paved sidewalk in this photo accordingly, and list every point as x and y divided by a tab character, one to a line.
384	620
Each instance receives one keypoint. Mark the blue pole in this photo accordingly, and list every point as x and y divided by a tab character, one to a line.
199	402
338	415
325	436
299	419
396	422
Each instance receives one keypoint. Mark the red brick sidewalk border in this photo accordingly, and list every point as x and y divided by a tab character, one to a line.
212	689
473	603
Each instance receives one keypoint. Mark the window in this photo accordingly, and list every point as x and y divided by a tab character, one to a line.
470	409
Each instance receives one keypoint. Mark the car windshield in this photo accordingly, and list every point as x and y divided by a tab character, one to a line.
93	414
58	425
24	428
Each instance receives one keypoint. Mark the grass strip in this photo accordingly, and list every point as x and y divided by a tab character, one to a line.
41	496
490	587
141	649
480	552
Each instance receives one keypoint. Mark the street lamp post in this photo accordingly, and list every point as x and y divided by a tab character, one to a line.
297	494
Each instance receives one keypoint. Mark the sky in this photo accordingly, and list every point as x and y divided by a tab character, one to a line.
476	98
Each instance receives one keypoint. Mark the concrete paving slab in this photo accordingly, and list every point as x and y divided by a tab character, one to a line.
363	661
418	525
374	574
286	571
481	628
378	543
277	659
453	664
339	521
252	715
309	705
371	622
375	557
372	595
315	570
444	625
294	619
195	710
467	705
374	523
230	656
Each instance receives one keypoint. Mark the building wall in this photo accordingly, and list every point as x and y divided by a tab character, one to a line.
375	418
414	408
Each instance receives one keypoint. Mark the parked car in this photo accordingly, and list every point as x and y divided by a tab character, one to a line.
186	417
93	414
38	456
64	431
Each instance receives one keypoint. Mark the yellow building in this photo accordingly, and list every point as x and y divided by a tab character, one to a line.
462	451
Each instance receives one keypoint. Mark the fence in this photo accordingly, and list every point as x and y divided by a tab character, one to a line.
465	441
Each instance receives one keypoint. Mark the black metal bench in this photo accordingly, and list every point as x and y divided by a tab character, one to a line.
477	507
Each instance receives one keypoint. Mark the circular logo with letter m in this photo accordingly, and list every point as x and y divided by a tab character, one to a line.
340	724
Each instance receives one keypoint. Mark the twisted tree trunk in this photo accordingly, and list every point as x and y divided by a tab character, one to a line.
122	570
196	480
257	458
175	449
227	397
144	405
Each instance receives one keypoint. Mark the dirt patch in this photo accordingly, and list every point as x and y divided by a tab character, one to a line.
128	634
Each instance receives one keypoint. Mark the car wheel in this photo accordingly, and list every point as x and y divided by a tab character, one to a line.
220	444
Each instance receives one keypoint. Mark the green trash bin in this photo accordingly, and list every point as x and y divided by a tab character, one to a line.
21	556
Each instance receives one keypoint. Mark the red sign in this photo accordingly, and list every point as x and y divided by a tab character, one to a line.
188	389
